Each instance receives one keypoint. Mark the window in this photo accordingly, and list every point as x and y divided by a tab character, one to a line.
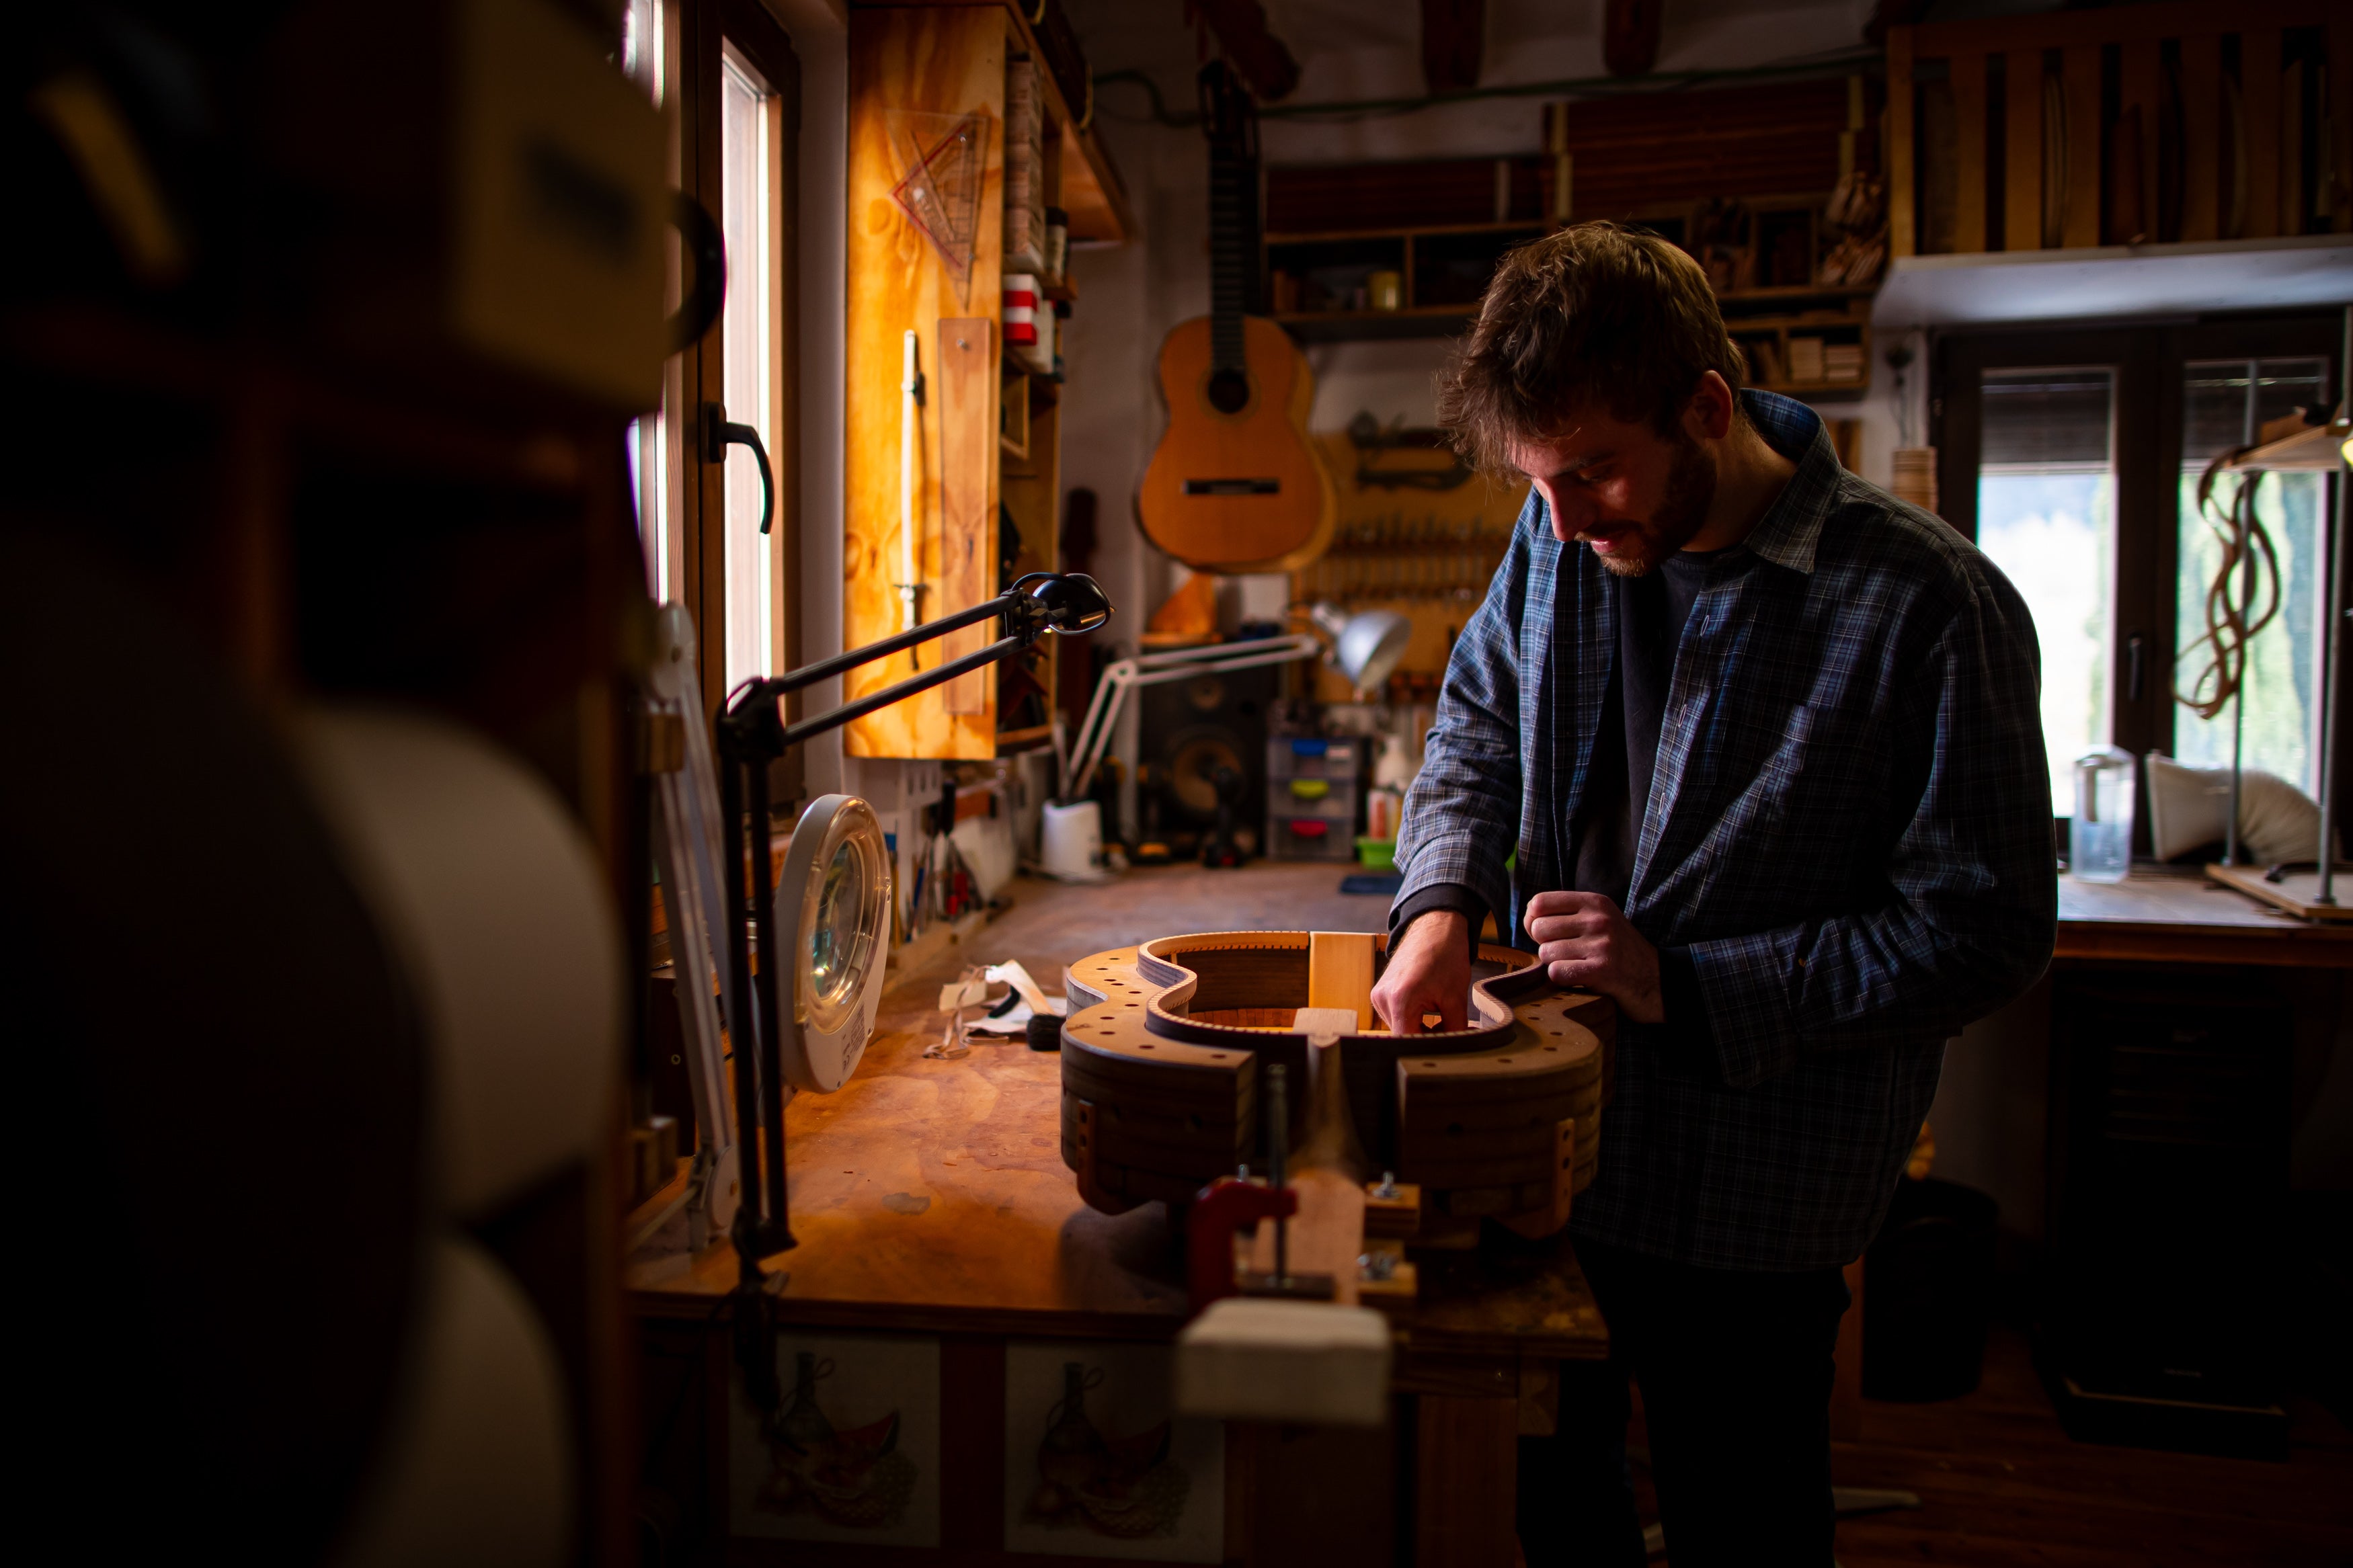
747	328
646	49
2046	516
2073	455
2224	403
726	73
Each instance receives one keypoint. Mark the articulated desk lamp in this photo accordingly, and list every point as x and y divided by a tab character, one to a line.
838	883
1365	647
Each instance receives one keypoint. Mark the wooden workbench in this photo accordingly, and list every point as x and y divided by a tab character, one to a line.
2174	915
930	1200
931	1204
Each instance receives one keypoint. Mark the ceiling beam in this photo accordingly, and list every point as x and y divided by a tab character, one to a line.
1262	60
1629	35
1452	34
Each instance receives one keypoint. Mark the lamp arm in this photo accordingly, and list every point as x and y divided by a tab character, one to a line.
1094	734
1158	668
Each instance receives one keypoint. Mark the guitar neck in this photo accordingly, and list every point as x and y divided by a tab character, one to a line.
1232	125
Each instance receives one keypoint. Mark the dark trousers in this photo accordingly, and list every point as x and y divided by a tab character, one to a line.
1735	1371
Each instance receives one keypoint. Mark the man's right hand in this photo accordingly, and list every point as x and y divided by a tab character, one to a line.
1429	971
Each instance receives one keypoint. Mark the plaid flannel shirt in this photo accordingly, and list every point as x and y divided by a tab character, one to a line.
1848	832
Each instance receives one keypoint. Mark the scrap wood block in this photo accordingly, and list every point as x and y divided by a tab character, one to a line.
1396	1215
1246	1359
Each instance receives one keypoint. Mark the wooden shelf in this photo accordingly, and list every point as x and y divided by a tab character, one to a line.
1428	264
1338	326
1319	236
1816	388
2315	449
1798	291
1022	740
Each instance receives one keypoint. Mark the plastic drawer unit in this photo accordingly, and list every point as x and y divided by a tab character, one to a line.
1314	798
1312	757
1309	838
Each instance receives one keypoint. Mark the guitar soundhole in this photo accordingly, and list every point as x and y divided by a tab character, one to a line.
1229	391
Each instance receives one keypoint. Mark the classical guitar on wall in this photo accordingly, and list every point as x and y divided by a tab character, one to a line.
1235	485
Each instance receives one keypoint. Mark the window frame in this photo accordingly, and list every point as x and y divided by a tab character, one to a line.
691	39
2149	359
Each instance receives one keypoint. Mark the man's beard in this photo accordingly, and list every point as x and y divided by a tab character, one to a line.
1691	491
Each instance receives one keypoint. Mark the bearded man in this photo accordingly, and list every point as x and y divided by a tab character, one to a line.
1768	744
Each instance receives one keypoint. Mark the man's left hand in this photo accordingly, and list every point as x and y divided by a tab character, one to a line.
1585	939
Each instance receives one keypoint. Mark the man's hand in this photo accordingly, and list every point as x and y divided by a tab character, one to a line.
1585	939
1429	971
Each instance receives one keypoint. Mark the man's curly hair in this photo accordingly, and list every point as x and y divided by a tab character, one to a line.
1598	315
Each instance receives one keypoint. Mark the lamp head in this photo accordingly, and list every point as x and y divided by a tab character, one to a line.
1368	646
1065	603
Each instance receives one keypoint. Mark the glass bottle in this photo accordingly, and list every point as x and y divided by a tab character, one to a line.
2099	838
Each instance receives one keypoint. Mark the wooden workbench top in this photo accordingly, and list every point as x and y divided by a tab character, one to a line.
930	1195
2173	914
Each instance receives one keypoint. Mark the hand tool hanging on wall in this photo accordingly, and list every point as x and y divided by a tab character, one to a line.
911	474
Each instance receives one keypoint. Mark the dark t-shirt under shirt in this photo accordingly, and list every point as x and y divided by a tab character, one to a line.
1651	610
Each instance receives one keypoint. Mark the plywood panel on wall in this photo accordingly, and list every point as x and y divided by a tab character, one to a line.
938	60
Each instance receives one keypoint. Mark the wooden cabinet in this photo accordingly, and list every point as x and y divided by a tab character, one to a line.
2152	123
920	76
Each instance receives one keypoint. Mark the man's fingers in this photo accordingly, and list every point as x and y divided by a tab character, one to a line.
1589	972
1404	1011
1560	928
1565	903
1558	902
1592	948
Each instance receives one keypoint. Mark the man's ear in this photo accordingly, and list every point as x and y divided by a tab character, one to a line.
1708	415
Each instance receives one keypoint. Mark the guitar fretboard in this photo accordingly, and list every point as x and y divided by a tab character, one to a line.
1230	121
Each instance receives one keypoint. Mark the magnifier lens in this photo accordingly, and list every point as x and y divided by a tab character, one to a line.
843	915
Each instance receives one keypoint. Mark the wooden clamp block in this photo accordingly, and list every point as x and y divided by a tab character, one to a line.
1398	1214
1389	1281
1340	973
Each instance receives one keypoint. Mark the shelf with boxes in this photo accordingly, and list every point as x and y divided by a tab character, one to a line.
1410	282
1406	248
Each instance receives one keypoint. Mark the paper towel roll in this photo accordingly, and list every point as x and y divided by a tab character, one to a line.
477	1466
497	905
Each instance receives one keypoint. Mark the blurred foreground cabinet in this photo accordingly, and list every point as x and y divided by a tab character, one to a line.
350	406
